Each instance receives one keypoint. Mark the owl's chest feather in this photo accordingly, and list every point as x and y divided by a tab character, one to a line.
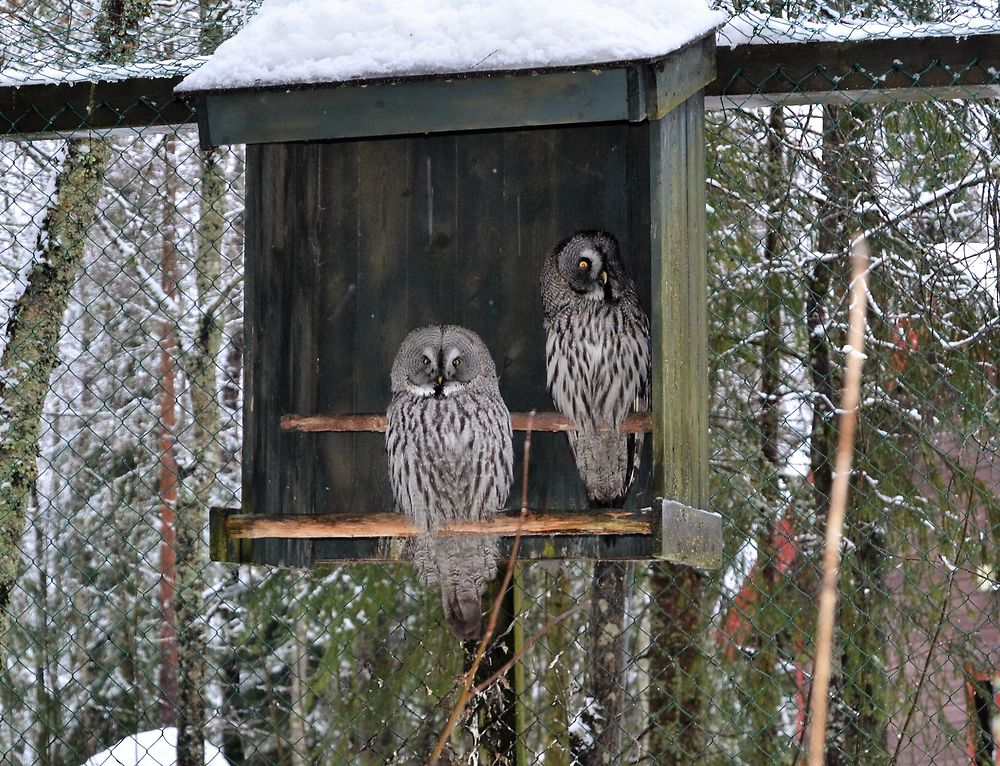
591	336
446	429
597	360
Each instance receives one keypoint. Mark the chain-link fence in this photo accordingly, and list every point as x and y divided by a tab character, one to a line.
122	248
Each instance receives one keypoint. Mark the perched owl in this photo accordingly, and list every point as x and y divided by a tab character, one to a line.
450	458
597	358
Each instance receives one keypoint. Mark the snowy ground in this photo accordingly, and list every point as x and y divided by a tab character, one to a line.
151	748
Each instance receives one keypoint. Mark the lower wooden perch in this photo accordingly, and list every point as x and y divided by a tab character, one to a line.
670	530
350	525
640	422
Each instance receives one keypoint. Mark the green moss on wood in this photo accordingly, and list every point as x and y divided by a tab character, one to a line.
32	343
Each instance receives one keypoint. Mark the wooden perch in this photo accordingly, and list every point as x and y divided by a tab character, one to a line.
640	422
341	525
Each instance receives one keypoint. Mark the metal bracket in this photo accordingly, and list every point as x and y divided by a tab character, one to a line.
688	535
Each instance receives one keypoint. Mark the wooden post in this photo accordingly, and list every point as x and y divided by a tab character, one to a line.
680	418
680	312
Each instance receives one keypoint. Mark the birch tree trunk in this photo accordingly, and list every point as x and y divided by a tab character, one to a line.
762	689
497	706
199	363
32	333
860	711
45	708
232	699
168	457
857	727
32	350
298	704
677	702
821	367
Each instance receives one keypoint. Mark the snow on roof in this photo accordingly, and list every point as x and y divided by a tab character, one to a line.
754	28
151	748
17	74
310	41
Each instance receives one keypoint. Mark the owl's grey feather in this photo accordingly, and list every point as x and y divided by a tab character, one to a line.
448	438
597	357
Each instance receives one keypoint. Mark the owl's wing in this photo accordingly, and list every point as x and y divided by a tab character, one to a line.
570	358
406	448
615	384
494	456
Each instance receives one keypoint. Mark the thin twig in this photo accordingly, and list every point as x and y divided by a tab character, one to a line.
526	461
850	404
491	625
222	295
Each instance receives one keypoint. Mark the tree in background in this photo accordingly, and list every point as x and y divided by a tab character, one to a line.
32	332
779	317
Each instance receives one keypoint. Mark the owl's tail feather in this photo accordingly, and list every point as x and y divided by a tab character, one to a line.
463	609
461	567
608	465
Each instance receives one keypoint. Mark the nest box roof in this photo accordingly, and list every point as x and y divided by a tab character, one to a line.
311	42
306	70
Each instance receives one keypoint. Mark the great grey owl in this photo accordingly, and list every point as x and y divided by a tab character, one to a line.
448	438
597	358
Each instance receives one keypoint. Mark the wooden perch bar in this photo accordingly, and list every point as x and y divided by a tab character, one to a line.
347	525
640	422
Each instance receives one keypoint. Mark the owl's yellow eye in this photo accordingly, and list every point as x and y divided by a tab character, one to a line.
457	361
584	263
426	361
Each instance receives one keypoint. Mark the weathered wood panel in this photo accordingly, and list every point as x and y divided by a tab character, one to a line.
351	244
612	92
395	108
680	343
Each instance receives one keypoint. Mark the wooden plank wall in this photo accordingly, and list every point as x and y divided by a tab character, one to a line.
351	244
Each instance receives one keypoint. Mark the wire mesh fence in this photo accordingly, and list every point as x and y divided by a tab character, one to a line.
122	398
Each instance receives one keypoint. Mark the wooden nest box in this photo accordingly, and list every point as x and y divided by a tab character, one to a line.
378	205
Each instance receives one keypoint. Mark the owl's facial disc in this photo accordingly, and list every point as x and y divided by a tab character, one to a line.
424	371
459	365
584	269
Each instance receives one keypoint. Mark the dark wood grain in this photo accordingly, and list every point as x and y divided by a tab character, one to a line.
354	243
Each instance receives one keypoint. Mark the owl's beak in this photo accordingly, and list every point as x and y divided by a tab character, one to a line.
440	380
604	277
